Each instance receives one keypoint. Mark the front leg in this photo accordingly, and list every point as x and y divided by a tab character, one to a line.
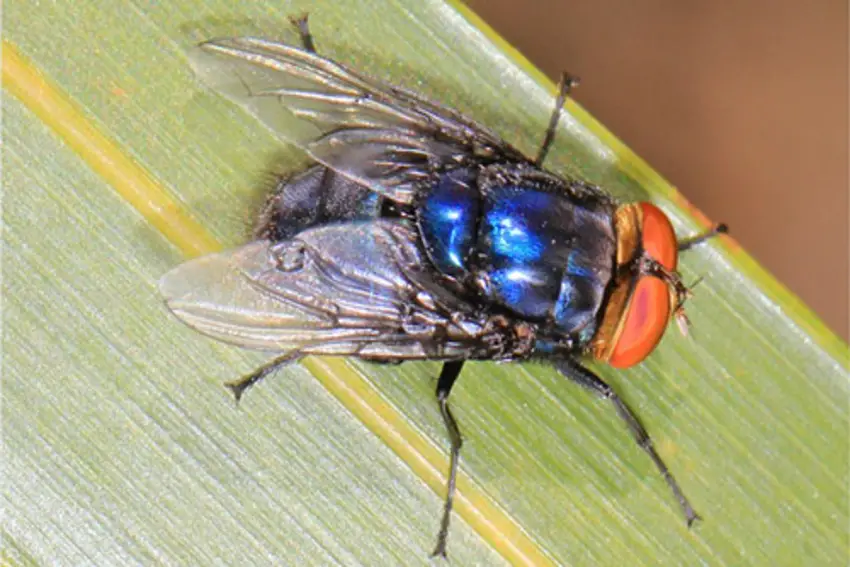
584	377
691	241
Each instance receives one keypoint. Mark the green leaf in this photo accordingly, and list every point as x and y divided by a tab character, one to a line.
122	448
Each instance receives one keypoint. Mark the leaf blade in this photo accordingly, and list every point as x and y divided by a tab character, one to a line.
689	393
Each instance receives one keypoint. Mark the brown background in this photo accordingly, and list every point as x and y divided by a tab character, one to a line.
742	105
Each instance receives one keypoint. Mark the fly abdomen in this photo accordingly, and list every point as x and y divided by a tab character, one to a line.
315	197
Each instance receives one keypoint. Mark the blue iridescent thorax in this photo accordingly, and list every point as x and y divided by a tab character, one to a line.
542	252
522	249
538	252
447	219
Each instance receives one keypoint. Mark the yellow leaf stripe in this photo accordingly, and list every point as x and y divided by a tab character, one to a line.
138	187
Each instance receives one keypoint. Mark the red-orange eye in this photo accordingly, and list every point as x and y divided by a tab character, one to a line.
648	310
657	236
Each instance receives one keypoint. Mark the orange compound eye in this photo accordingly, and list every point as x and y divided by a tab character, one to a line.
658	237
648	311
646	316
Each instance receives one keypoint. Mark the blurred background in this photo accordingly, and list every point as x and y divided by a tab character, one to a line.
741	105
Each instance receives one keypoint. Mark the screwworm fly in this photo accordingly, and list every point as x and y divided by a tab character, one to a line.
418	234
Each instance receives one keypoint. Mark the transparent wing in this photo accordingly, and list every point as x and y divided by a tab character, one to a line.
352	289
383	137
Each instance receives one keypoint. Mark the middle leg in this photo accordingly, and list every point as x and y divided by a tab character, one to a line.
448	375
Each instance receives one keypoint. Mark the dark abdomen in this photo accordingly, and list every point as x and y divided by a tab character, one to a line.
315	197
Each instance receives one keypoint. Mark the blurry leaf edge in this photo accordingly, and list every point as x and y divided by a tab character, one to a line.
636	168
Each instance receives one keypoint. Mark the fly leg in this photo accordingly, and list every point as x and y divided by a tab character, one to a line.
238	387
589	380
691	241
448	375
308	44
300	22
566	84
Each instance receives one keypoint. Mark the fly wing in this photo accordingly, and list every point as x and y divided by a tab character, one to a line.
352	289
381	136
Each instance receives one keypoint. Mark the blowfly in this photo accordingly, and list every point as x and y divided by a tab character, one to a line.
418	234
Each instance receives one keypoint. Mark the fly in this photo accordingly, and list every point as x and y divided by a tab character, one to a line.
420	235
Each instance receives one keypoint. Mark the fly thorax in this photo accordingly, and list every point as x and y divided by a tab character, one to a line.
539	251
447	217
